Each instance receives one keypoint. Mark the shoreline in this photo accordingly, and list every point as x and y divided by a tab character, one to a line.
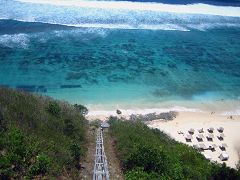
218	107
126	113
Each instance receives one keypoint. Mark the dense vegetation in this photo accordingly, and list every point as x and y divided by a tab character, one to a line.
148	154
39	137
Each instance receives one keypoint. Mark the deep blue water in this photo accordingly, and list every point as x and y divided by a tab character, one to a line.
187	57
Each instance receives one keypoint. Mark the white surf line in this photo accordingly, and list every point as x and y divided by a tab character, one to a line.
146	6
168	27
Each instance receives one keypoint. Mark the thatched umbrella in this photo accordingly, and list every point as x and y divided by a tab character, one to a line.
221	136
210	137
211	129
188	137
223	146
213	147
200	137
201	130
220	129
191	131
224	157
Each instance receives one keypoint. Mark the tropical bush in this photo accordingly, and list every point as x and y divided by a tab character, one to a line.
54	109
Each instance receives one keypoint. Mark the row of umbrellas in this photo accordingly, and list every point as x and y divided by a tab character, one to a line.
212	147
200	137
210	130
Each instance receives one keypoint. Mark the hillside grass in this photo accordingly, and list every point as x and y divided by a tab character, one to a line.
39	136
149	154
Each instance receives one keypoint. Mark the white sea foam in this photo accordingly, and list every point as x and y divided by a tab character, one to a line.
121	15
235	112
15	40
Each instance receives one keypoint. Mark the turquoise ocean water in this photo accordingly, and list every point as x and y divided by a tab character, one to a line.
114	58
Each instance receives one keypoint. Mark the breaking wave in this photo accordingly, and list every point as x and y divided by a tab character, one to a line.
121	15
15	40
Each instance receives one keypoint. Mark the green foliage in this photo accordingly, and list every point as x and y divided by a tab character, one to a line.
2	123
140	174
37	136
54	109
150	154
41	166
151	158
5	167
68	128
16	157
224	173
76	154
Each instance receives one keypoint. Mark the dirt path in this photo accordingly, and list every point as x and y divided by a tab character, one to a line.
113	162
88	162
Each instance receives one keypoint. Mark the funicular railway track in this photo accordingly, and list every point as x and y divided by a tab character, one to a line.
100	171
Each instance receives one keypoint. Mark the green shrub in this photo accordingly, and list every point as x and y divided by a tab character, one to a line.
54	109
152	159
140	174
5	168
41	166
15	158
68	128
76	154
224	173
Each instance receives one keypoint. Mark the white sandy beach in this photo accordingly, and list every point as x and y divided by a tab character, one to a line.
197	120
146	6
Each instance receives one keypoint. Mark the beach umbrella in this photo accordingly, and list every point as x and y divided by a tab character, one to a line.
224	156
221	136
213	146
223	146
188	137
210	136
191	130
200	130
200	137
211	129
220	129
